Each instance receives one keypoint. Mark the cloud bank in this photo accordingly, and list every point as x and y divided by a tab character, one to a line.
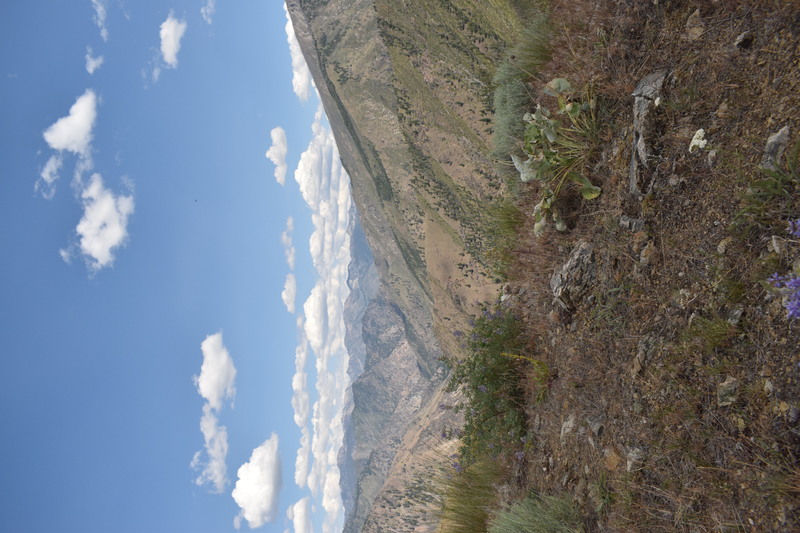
301	76
215	384
325	187
277	153
257	489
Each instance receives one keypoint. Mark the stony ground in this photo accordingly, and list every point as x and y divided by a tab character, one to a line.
674	397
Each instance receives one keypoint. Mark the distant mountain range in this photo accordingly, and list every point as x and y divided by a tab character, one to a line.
407	90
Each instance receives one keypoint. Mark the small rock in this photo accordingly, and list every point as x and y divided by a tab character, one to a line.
722	247
675	180
567	427
634	459
649	254
695	27
722	110
612	458
773	151
596	425
639	240
631	224
735	316
769	388
727	391
743	40
711	158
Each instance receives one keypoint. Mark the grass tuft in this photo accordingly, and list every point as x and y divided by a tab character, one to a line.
538	514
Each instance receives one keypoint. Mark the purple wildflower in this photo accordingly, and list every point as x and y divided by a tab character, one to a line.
482	388
794	227
520	455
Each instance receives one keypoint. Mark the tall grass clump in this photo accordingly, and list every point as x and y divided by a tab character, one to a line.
538	514
490	377
512	94
504	220
468	496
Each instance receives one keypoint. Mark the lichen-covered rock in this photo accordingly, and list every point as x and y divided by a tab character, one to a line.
572	281
773	151
646	95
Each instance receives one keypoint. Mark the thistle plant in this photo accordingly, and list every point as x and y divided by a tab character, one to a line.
556	150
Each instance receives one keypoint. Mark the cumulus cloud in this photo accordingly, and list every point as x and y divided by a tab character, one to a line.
207	11
277	153
300	515
217	373
288	245
215	384
289	294
100	17
73	133
257	489
301	76
104	225
172	31
92	63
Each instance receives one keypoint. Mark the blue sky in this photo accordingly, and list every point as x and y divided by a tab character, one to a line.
174	257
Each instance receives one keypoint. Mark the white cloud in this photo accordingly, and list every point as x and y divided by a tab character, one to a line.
49	175
217	373
207	11
288	245
277	153
92	63
215	384
104	225
300	515
257	489
100	17
74	132
172	31
214	471
289	294
301	76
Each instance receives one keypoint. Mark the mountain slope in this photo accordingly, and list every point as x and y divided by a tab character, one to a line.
406	90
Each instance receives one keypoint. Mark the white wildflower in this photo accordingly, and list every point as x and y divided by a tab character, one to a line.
698	141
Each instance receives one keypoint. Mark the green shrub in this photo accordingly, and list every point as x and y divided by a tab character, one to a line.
490	375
